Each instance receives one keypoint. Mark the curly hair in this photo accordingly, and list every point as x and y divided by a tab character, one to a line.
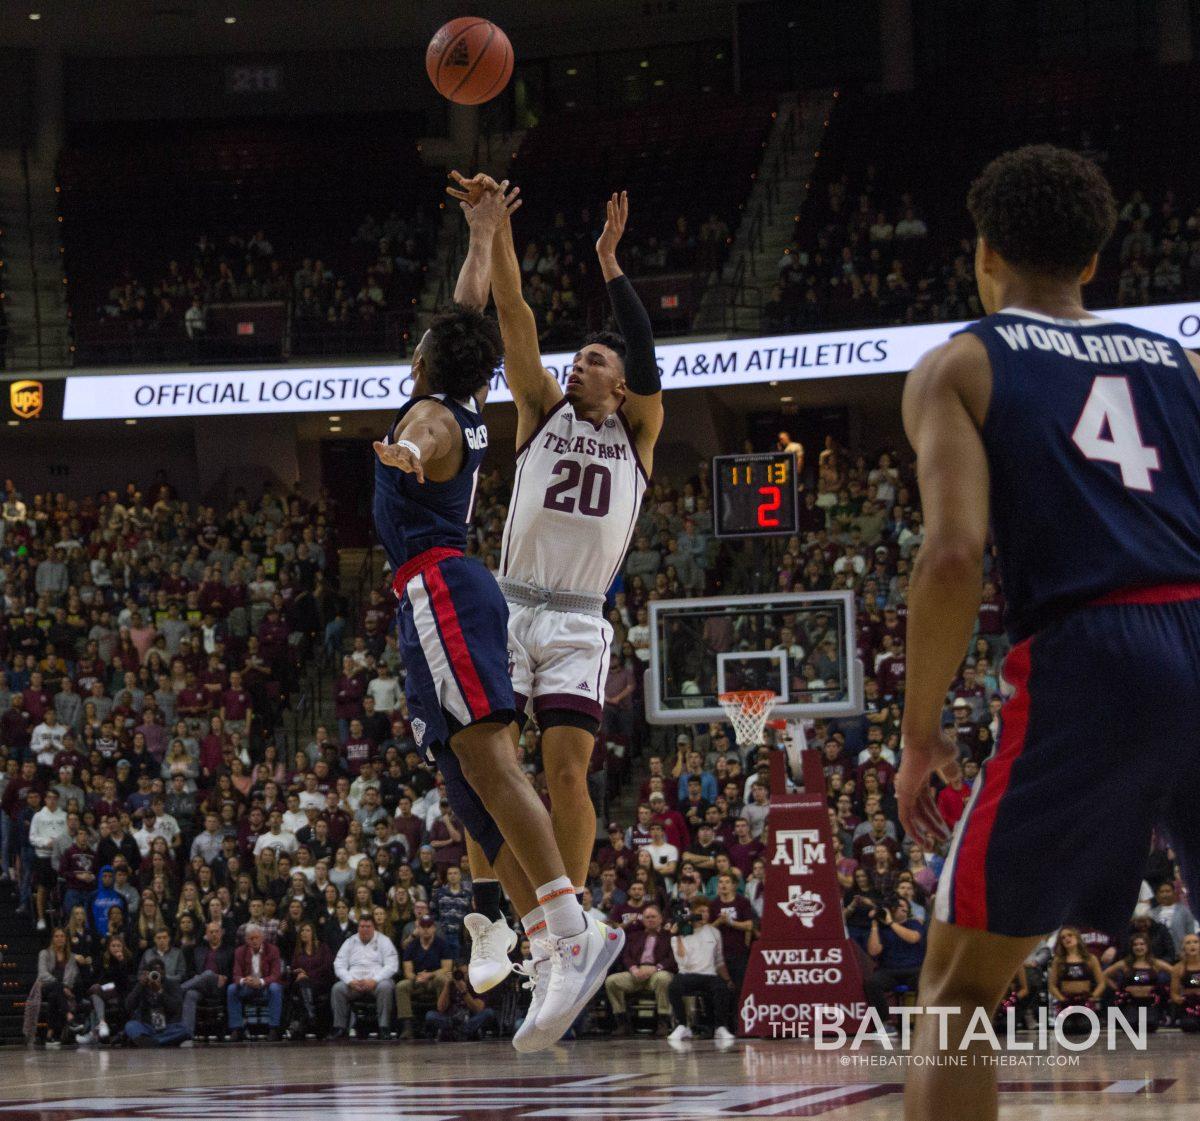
1044	209
462	350
610	339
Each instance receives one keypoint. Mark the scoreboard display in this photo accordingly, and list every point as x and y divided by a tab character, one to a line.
755	495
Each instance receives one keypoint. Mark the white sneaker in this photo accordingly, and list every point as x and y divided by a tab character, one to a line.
724	1037
102	1031
681	1033
53	1045
528	1038
578	967
41	924
491	943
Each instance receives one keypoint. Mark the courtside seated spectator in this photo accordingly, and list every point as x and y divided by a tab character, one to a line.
257	975
366	966
649	967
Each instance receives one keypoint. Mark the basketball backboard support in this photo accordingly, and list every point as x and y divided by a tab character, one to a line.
700	648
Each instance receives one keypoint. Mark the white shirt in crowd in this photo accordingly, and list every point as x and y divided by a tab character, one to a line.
666	853
293	822
45	827
280	842
376	960
164	826
386	691
701	951
46	742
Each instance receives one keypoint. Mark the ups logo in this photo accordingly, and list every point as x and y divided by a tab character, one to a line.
26	398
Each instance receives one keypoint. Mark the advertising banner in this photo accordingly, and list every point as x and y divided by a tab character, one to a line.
336	389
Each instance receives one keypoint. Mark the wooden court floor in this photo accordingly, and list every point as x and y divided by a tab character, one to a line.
627	1080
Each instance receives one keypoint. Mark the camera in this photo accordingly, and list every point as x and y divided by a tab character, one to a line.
681	917
154	977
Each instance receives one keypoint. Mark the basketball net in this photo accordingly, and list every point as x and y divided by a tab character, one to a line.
748	710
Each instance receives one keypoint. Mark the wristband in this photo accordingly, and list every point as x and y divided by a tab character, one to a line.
410	446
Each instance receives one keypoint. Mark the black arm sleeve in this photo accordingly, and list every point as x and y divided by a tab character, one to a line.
641	366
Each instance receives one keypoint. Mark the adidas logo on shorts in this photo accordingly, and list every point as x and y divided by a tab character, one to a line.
582	687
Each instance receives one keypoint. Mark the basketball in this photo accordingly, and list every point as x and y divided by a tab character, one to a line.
469	60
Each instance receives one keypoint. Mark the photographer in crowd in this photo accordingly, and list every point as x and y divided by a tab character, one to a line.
460	1015
897	942
702	972
155	1008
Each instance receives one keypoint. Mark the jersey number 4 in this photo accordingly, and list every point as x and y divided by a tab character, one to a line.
1108	431
593	484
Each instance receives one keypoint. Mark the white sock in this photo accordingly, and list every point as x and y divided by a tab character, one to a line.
534	925
564	916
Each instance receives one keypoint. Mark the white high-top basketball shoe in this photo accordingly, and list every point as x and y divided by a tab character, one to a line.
491	943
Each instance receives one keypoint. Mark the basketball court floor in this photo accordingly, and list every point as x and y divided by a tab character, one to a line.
629	1080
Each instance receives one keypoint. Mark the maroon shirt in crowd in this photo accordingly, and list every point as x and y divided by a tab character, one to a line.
733	942
347	697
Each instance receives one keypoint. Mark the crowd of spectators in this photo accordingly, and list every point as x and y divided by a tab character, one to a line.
196	868
862	255
560	275
1156	249
345	295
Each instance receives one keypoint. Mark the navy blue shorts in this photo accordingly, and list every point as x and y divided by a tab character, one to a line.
453	624
1098	746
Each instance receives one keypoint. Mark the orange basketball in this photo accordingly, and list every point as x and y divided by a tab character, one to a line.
469	60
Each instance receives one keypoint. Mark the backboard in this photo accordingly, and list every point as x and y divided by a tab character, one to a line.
800	645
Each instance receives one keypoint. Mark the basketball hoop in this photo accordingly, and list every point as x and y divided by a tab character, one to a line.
748	711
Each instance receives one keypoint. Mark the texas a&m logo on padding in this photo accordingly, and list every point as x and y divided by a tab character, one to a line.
798	848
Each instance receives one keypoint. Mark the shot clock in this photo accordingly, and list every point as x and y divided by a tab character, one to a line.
755	495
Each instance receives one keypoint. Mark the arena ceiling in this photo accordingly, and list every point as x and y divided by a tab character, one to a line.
132	27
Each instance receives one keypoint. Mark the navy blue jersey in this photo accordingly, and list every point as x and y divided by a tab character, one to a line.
411	517
1093	442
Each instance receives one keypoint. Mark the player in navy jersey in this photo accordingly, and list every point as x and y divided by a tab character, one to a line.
1079	440
453	619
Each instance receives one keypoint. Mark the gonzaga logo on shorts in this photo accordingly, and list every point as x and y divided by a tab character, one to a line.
418	727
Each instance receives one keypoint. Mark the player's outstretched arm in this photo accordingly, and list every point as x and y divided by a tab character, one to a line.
534	390
643	399
424	441
945	400
484	215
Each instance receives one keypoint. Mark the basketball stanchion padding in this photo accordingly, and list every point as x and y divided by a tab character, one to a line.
803	958
748	710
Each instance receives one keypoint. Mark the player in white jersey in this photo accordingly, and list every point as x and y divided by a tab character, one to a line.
583	461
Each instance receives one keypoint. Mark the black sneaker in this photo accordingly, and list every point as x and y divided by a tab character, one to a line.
237	1035
336	1034
274	1036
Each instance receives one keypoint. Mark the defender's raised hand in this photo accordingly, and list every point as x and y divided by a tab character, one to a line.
471	190
492	207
